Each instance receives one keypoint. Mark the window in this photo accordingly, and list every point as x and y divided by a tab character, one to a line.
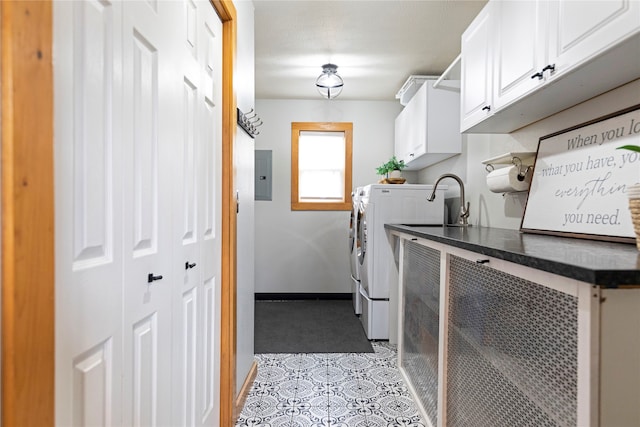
321	166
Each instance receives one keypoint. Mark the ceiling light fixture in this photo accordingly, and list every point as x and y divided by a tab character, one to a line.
329	83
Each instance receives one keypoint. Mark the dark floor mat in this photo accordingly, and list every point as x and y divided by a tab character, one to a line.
319	326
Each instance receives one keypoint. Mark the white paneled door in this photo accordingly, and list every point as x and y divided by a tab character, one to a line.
196	225
138	182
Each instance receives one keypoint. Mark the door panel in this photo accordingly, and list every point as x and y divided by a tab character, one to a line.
210	149
190	170
196	184
93	189
209	367
145	146
93	387
187	397
145	353
88	206
148	157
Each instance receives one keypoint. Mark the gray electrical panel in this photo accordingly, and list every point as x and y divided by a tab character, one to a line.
263	175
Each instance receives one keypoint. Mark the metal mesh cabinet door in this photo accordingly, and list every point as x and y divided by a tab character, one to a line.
421	303
512	351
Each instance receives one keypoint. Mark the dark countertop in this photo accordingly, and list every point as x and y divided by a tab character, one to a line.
600	263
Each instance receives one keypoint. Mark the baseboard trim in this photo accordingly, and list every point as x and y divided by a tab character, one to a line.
259	296
246	388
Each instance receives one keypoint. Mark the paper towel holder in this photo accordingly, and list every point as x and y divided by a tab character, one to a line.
522	159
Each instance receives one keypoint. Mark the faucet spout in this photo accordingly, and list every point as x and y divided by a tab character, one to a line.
464	206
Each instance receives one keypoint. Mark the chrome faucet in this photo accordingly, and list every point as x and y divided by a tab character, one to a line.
464	208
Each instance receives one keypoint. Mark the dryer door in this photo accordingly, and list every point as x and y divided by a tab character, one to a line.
353	237
361	243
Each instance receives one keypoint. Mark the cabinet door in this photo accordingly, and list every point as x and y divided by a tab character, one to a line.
443	137
401	150
520	47
417	109
476	69
579	31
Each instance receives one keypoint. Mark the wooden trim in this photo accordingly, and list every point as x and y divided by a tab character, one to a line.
227	13
28	341
246	387
345	127
320	206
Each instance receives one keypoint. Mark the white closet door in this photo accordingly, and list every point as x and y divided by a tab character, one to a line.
88	206
209	229
149	133
138	194
197	188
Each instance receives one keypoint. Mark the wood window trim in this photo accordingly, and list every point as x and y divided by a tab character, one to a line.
347	128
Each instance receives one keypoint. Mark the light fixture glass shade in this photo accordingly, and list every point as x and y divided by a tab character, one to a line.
329	83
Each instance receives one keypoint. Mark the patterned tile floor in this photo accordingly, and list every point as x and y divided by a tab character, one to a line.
330	389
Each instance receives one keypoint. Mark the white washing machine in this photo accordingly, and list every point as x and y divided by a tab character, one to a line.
353	251
380	205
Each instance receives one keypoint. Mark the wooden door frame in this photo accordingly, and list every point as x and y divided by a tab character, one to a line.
28	256
227	13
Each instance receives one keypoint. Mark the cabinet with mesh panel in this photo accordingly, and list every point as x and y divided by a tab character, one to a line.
419	341
487	342
512	350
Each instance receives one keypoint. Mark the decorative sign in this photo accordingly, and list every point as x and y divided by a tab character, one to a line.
580	178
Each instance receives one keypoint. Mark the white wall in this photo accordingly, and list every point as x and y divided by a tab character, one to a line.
306	251
493	210
244	166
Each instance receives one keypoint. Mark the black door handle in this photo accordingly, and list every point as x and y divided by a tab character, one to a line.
538	75
487	108
151	278
188	265
550	67
482	261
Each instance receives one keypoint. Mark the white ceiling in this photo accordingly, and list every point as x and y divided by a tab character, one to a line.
376	44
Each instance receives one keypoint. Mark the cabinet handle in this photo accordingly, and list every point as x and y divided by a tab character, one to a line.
482	261
550	67
188	265
538	75
151	278
411	155
486	108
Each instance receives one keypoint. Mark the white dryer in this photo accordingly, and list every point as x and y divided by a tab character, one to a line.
353	251
380	205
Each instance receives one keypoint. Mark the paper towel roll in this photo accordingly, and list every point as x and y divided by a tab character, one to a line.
506	180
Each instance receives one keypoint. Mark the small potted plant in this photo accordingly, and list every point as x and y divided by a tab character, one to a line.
392	170
633	192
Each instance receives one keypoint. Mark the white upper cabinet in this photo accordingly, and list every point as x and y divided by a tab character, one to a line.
581	30
428	129
476	69
519	49
544	56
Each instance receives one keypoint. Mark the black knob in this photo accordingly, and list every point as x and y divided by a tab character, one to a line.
538	75
486	108
188	265
151	278
550	67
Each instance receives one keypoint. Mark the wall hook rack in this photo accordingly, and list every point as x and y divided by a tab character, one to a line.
249	122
